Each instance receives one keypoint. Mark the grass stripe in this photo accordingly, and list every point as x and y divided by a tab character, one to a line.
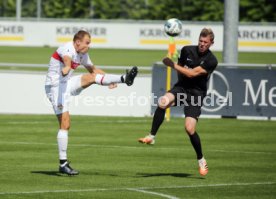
139	188
133	147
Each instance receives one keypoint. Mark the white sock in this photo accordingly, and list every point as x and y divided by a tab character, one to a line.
107	79
62	140
201	161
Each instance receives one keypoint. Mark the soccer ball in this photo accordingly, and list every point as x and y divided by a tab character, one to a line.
173	27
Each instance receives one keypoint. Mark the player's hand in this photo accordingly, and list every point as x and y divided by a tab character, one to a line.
113	85
65	70
168	62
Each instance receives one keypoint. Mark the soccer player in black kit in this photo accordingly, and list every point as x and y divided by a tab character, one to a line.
194	67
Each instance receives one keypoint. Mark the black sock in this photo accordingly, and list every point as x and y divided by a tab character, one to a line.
122	79
195	140
62	161
158	119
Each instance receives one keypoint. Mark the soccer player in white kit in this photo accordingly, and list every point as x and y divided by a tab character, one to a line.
60	85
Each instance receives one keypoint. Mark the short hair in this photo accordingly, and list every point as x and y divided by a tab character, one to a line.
207	32
80	35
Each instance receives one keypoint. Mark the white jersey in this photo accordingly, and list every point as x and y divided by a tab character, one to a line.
54	75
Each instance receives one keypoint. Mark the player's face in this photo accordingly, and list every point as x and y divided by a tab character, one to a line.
204	43
83	45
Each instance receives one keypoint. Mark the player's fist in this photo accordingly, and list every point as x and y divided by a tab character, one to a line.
168	62
112	85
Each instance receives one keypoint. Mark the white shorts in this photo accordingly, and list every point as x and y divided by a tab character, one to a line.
60	95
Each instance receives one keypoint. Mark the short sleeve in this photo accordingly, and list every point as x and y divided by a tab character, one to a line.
66	51
209	64
183	57
87	61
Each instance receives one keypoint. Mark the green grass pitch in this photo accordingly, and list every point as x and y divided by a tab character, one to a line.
115	57
109	57
241	156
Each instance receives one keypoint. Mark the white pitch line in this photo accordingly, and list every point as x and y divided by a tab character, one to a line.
254	152
138	188
134	147
154	193
90	122
72	145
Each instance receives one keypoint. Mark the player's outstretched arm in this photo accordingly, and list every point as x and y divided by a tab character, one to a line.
67	65
188	72
168	62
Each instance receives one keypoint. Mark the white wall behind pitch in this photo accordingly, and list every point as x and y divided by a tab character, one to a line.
130	35
24	94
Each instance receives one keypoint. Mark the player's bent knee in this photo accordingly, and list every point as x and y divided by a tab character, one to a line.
190	129
92	77
163	102
89	78
161	106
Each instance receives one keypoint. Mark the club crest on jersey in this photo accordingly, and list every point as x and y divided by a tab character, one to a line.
60	106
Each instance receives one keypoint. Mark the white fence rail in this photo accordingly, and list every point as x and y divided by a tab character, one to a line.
145	68
3	64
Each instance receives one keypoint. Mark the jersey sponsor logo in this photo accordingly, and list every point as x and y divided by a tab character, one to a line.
60	106
74	65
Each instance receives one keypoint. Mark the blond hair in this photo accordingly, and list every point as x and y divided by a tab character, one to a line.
80	35
207	32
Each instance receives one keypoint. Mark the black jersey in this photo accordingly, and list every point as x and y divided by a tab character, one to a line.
191	58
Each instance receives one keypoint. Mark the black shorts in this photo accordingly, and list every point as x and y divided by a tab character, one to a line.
191	99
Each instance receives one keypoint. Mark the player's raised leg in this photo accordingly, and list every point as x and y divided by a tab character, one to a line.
130	76
165	101
108	79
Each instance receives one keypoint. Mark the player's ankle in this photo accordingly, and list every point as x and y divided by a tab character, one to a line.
62	162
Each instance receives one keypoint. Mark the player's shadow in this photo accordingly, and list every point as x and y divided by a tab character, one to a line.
178	175
56	173
96	173
49	173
